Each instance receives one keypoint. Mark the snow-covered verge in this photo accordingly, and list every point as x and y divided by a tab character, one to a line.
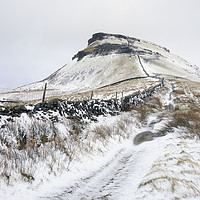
175	173
112	167
34	151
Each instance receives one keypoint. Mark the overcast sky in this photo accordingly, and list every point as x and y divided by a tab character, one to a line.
39	36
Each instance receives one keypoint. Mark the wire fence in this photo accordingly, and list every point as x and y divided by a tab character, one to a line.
41	95
21	96
32	96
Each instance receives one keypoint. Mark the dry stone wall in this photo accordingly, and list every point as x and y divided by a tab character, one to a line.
87	109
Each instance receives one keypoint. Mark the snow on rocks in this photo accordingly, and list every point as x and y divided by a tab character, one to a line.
87	109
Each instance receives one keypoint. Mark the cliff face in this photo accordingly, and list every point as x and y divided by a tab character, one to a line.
118	44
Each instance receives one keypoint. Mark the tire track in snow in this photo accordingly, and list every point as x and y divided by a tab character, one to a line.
118	179
120	176
101	182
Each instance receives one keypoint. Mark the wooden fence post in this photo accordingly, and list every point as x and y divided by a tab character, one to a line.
122	100
44	93
91	95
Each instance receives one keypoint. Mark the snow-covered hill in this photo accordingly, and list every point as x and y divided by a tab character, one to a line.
110	58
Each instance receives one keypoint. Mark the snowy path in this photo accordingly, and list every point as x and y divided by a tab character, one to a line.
120	176
118	179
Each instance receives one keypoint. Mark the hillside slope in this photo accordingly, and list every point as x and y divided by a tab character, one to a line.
109	58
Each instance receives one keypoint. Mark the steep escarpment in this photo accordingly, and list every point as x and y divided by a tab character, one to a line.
102	44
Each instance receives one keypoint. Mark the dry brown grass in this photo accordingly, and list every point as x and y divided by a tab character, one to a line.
153	104
179	92
142	111
102	131
109	91
189	119
119	128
